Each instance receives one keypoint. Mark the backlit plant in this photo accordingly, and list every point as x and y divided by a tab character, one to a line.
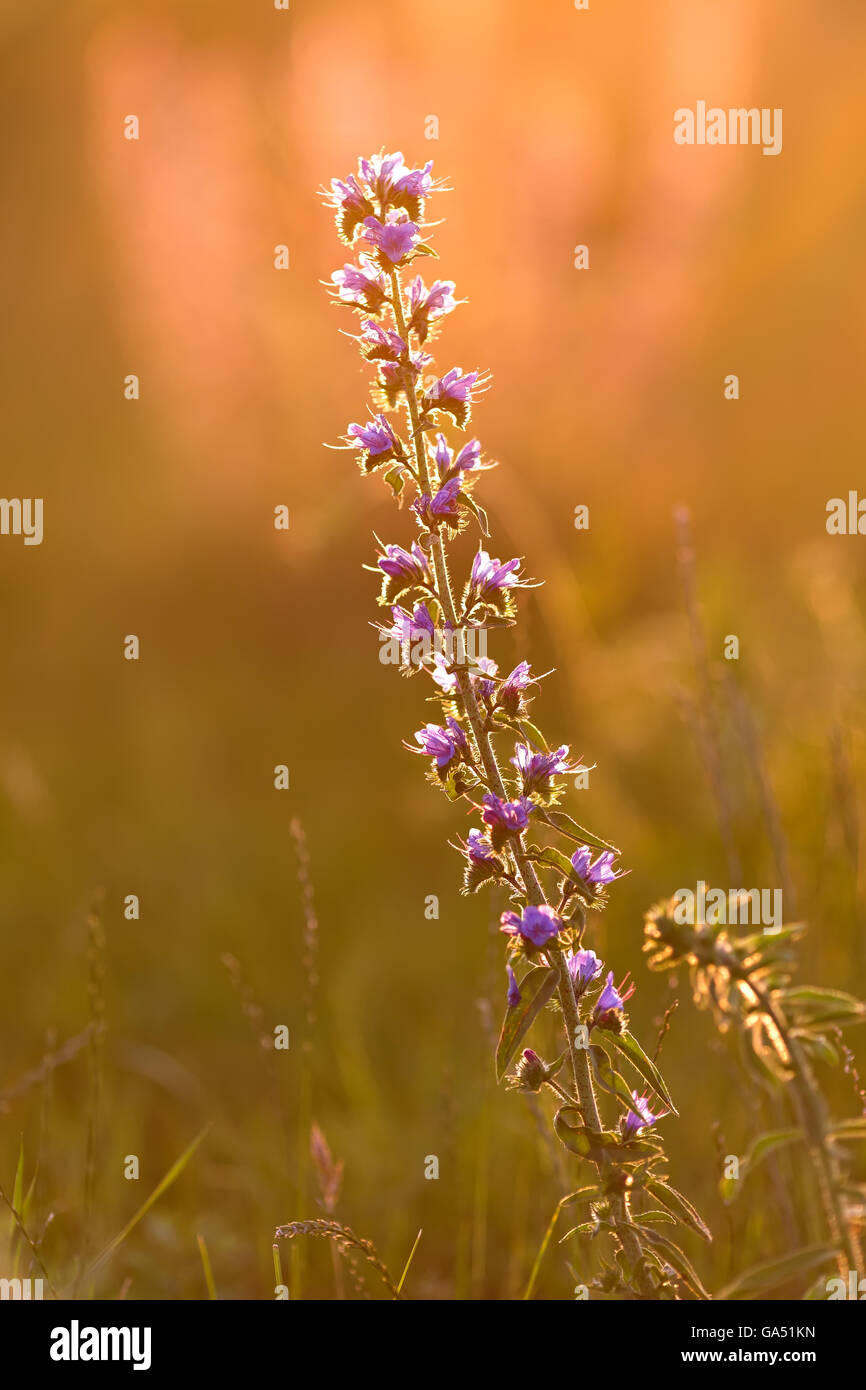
785	1030
483	749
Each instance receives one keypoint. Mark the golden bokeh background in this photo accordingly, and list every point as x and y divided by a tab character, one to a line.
156	257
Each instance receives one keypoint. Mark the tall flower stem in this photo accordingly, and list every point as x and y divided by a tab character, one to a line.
382	209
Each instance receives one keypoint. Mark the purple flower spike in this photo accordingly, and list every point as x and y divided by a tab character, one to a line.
536	924
640	1116
513	996
394	238
583	967
600	871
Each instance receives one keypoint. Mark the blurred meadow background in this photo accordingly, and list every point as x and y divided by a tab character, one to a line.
156	257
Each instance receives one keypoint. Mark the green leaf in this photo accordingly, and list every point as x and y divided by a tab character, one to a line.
163	1185
813	1005
679	1205
558	860
759	1150
536	989
630	1048
582	1194
578	1139
18	1187
396	480
848	1129
608	1077
774	1273
477	511
817	1046
675	1257
649	1218
562	822
18	1204
585	1228
533	734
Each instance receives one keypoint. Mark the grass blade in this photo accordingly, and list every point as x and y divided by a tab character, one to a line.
408	1262
206	1266
162	1186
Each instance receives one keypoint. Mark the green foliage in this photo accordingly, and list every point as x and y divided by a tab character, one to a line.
537	988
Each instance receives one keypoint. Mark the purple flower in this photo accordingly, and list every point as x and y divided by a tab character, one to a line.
351	204
484	687
376	436
600	872
505	817
364	286
387	174
415	182
536	924
395	377
394	238
640	1116
398	563
442	675
406	628
510	697
583	967
478	847
531	1072
537	769
445	745
426	305
610	997
347	195
381	342
453	387
468	460
513	996
380	170
432	303
489	577
443	507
